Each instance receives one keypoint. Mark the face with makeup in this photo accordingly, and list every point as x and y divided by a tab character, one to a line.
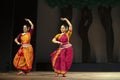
63	29
25	29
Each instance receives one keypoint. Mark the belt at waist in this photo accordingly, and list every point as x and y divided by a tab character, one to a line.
26	45
65	46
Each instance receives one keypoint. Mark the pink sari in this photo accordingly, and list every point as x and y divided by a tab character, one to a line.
62	57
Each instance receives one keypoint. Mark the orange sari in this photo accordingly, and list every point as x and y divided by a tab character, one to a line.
24	57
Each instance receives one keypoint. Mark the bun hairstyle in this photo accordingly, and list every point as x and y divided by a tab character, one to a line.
27	25
65	25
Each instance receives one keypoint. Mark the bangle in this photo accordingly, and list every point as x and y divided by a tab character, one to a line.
58	42
18	43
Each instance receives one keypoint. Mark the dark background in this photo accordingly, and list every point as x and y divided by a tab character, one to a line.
99	51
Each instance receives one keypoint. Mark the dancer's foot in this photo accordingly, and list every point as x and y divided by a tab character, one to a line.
25	73
57	74
20	73
64	75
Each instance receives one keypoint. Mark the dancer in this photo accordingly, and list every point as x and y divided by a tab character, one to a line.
62	57
24	57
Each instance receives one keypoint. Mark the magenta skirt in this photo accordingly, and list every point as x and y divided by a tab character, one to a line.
62	59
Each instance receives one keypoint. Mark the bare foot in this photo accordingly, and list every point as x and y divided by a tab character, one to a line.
21	73
64	75
57	74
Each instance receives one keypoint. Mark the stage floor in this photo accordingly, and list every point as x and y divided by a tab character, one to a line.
70	76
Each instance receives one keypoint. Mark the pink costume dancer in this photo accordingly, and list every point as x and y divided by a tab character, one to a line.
62	57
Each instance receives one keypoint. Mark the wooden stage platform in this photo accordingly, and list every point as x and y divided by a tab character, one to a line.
46	75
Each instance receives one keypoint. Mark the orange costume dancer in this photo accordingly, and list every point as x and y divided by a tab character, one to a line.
24	58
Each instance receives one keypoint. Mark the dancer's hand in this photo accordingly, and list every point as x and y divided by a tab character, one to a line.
63	19
27	19
18	43
68	22
30	22
60	43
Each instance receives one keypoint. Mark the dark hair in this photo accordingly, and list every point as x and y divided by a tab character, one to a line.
27	25
65	25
